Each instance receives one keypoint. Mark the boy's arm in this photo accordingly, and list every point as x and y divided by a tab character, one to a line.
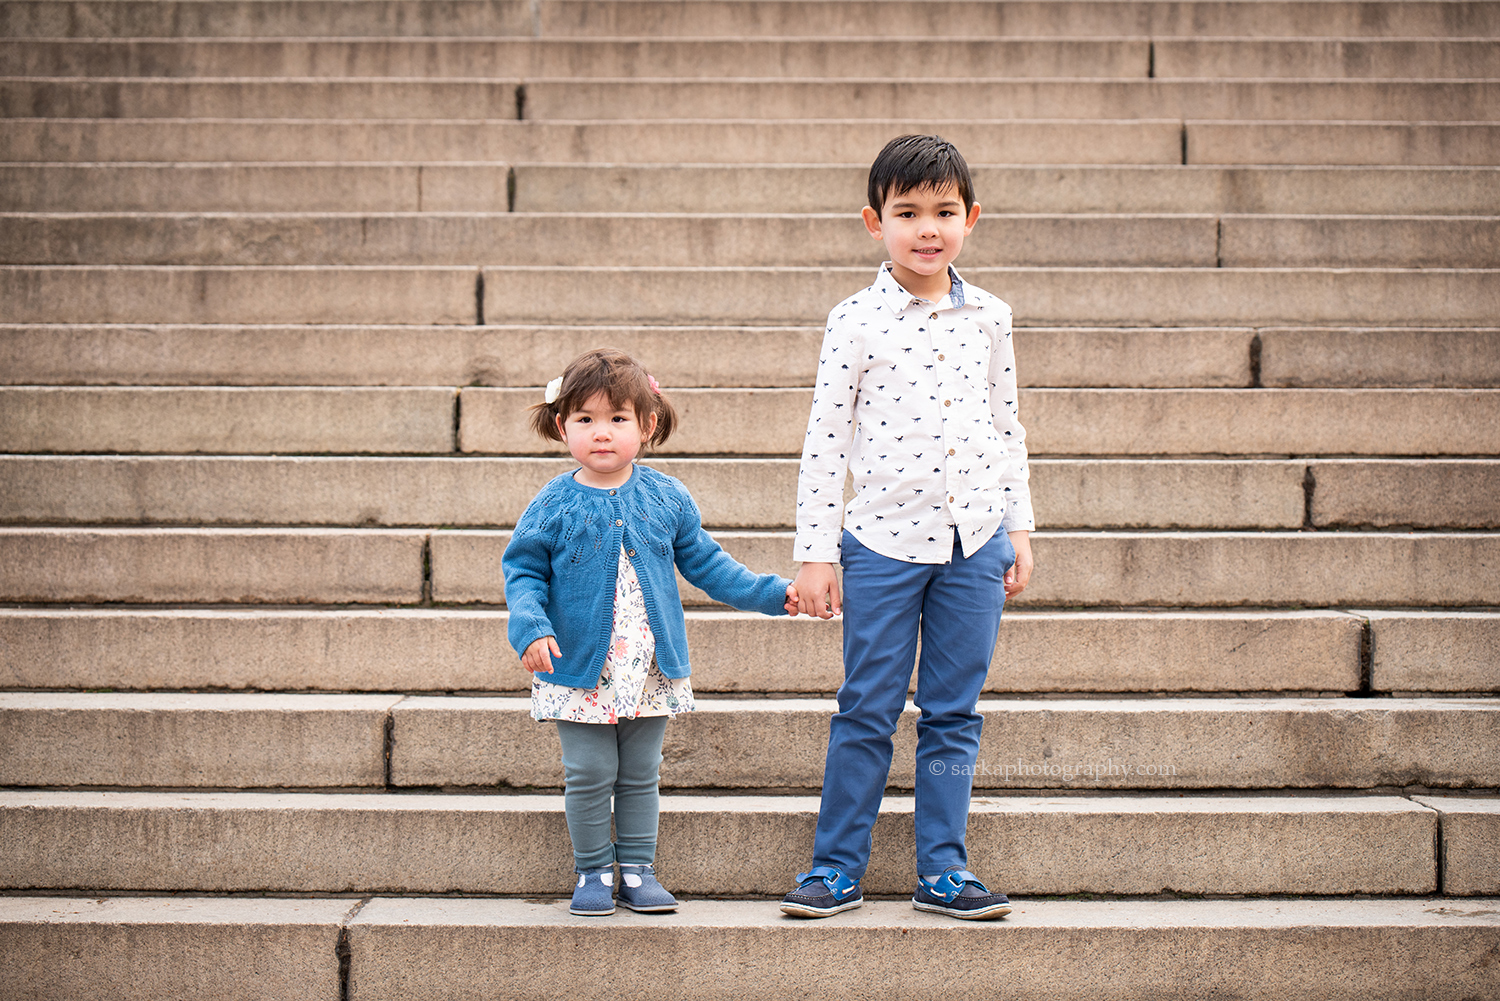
825	463
1015	485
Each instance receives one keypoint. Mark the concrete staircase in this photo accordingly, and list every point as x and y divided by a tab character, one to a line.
278	279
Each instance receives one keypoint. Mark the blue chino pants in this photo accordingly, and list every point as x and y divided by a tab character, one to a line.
956	606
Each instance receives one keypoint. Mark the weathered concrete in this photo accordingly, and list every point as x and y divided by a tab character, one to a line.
1423	493
210	565
238	741
1435	651
231	354
1158	493
259	187
1359	241
711	845
458	650
1332	142
573	187
1027	744
1380	357
145	949
1152	297
1260	421
278	18
1408	58
720	240
1136	356
258	98
1114	569
842	141
881	97
1364	950
124	294
1471	843
218	419
628	57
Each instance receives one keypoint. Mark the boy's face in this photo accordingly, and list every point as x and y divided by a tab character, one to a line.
923	230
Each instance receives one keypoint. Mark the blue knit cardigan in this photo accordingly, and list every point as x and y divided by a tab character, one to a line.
563	557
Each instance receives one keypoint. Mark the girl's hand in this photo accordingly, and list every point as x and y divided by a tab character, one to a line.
791	600
1019	575
536	659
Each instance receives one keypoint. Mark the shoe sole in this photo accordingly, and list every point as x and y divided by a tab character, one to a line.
653	909
978	913
590	914
805	911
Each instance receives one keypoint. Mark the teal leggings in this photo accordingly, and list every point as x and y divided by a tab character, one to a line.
621	759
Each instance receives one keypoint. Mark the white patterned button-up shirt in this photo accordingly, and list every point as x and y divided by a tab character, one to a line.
917	400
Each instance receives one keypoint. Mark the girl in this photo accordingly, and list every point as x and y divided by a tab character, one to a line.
594	610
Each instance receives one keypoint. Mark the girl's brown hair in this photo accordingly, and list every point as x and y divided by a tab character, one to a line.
619	377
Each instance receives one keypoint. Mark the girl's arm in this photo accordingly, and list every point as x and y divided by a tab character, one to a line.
528	577
705	564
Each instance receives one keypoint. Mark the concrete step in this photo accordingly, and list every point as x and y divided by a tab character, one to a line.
149	740
459	650
629	99
718	845
1471	830
1109	18
1042	296
1163	57
564	187
152	947
322	355
1127	569
882	97
128	294
261	187
1060	422
43	97
262	18
149	565
1115	240
512	295
733	493
214	419
670	57
569	187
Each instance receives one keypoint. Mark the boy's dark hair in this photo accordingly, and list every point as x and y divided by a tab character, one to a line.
911	163
616	375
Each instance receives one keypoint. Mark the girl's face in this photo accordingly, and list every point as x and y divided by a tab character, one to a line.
604	440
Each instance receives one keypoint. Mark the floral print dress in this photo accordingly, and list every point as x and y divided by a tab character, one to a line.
630	684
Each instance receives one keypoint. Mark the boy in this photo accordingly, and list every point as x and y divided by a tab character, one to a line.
916	396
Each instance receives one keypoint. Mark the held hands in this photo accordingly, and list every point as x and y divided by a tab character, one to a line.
816	591
538	657
1019	575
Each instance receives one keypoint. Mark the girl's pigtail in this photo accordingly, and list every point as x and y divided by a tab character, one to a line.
544	415
666	418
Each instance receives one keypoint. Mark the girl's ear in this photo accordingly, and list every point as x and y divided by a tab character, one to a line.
558	420
648	429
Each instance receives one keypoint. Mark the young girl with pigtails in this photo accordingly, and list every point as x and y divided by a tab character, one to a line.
596	617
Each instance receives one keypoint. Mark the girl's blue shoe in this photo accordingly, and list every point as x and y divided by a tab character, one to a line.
594	893
640	891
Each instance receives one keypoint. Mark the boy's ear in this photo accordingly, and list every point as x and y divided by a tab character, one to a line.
872	221
972	219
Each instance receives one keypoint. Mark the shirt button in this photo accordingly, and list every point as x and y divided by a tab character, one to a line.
950	500
951	452
932	316
947	403
940	357
618	523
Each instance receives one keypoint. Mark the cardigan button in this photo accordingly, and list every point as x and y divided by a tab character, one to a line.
630	552
613	492
618	523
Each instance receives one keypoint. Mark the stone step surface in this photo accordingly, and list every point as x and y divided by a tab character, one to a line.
1162	57
510	844
1471	842
566	187
574	187
1136	240
149	947
1047	296
734	493
459	650
628	99
518	355
1127	569
240	740
267	18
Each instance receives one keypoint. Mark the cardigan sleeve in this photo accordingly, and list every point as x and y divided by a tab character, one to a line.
528	578
705	564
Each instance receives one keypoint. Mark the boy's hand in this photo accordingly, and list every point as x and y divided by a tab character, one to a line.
536	659
1019	575
817	587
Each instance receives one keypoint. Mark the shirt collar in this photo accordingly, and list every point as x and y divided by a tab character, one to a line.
898	298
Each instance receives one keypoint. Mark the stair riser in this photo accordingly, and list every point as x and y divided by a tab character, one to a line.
277	18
